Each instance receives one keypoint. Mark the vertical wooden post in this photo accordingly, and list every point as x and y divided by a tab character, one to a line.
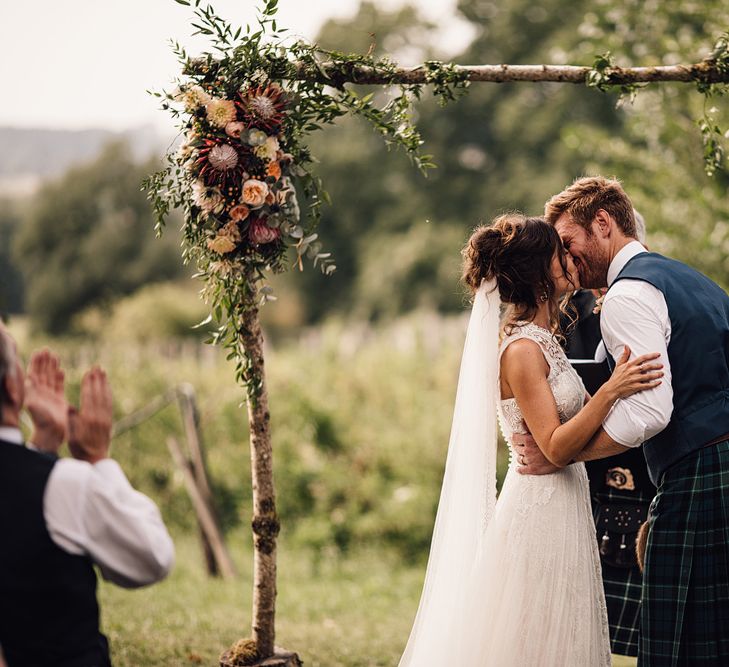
260	650
265	520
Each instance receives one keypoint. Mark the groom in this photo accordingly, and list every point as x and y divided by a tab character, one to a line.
656	304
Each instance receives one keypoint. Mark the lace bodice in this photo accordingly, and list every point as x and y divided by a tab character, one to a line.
566	385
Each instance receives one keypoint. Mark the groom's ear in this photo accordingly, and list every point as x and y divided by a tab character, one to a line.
602	224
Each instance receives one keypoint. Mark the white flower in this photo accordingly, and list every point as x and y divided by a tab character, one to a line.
268	150
192	97
220	112
184	152
208	198
257	137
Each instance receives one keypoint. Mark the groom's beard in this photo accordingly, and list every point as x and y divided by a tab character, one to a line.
593	266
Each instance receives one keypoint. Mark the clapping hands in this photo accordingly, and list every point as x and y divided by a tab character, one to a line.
87	428
46	402
89	435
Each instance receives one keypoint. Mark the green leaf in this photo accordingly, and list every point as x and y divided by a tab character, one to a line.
207	320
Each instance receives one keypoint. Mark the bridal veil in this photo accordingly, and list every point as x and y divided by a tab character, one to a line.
468	494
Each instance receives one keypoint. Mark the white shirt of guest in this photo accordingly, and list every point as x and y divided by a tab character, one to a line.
634	313
93	510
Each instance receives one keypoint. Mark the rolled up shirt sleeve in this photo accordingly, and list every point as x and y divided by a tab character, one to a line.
635	314
94	510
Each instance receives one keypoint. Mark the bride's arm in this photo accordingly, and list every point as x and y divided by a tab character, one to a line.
524	370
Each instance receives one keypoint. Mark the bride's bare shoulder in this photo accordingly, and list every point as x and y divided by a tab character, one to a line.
521	357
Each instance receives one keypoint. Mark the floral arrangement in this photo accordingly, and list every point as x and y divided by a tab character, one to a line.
244	176
243	197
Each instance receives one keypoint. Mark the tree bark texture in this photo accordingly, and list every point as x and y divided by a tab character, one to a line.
265	520
706	71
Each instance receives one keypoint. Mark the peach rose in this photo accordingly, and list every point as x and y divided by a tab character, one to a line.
239	212
255	193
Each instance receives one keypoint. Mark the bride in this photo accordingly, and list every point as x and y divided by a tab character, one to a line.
517	582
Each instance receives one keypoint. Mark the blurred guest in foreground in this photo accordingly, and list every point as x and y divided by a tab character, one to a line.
61	516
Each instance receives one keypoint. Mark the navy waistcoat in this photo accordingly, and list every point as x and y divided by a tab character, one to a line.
49	615
699	356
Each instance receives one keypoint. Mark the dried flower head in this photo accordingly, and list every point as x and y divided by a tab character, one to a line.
263	107
223	157
260	233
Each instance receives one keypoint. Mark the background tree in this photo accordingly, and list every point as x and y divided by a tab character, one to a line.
656	153
89	239
512	146
11	279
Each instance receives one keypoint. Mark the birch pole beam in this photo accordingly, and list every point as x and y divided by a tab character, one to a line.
707	71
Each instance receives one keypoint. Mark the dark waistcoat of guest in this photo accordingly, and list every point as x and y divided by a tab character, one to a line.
699	356
48	610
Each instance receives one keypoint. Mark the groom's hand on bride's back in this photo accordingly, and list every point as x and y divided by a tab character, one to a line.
529	457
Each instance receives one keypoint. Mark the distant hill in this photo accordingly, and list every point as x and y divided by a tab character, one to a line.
29	156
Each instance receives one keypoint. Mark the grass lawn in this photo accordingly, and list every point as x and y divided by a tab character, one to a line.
352	612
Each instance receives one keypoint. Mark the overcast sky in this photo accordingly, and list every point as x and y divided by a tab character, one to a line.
87	63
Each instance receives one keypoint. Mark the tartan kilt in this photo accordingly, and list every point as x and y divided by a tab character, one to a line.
622	596
685	608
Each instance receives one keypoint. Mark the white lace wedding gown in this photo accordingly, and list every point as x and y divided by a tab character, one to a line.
536	586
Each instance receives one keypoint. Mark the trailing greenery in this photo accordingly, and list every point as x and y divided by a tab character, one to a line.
712	134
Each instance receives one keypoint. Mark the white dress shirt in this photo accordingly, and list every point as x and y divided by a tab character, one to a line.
93	510
634	313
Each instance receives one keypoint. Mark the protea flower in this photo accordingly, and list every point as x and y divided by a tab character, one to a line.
221	164
263	106
260	233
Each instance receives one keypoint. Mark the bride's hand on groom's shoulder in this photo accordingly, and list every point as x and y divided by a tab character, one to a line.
529	457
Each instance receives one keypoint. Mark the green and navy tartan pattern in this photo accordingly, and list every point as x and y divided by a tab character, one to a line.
622	595
685	607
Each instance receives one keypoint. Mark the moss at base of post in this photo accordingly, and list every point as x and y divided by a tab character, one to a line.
244	653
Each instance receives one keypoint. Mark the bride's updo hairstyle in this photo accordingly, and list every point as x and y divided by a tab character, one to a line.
517	251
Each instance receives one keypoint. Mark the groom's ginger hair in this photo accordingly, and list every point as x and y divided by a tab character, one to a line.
585	197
